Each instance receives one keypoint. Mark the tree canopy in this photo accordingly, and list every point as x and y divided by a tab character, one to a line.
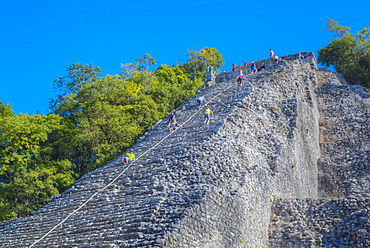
94	119
349	54
31	167
198	61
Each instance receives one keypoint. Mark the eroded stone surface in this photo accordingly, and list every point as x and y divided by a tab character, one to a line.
254	177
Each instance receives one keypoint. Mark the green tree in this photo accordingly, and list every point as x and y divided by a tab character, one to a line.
198	61
174	86
211	57
111	112
31	171
95	119
349	54
77	76
5	110
208	56
143	63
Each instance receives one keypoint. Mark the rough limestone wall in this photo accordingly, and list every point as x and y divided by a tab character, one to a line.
343	171
345	139
267	148
206	186
321	223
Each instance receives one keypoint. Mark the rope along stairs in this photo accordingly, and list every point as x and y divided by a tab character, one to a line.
134	176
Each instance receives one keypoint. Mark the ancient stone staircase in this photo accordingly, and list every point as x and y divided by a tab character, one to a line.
137	207
227	184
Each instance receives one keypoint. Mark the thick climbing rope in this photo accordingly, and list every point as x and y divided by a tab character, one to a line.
129	166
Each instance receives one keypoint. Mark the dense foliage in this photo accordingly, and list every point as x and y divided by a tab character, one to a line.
94	119
200	60
349	54
31	167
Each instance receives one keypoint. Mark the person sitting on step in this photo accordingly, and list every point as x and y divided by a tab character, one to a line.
171	117
174	125
130	156
262	67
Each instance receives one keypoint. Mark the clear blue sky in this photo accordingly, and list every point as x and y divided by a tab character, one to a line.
40	39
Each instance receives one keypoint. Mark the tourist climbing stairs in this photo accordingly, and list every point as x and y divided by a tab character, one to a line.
133	202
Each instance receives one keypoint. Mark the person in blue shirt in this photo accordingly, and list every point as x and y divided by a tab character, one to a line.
200	101
174	125
253	67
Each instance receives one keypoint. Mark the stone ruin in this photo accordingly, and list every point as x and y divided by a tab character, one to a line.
285	162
